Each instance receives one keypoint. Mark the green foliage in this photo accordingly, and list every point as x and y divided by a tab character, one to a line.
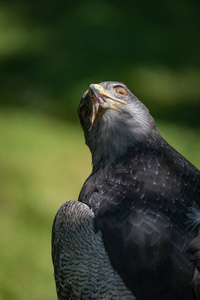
50	53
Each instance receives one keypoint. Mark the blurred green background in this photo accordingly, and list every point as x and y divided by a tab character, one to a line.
49	54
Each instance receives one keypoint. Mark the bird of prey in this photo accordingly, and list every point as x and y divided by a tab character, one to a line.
134	231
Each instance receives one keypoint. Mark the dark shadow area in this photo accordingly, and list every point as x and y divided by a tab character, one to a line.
186	113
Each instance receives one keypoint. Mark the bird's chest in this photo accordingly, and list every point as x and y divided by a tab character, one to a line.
144	183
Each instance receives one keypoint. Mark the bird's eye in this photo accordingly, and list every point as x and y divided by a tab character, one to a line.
84	112
120	90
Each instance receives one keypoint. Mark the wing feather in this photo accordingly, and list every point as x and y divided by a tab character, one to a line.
81	265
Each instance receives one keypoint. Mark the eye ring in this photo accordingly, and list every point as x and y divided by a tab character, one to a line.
84	112
120	90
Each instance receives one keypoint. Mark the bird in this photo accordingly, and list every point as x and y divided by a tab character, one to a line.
134	231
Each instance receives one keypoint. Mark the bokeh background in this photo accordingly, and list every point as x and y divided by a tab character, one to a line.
50	51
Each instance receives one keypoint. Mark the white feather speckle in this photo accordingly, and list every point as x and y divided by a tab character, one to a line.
194	216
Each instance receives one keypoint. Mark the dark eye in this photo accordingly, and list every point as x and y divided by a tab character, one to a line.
84	112
120	90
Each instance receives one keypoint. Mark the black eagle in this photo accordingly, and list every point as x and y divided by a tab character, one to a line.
134	232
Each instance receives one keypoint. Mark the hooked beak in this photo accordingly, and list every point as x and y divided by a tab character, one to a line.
101	99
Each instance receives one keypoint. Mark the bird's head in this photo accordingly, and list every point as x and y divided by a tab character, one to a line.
113	119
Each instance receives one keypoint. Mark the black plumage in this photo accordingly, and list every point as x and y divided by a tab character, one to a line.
144	197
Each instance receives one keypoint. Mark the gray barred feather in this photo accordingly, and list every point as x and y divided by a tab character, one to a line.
82	266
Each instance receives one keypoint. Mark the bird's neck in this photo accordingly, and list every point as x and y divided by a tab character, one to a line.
112	148
116	133
108	155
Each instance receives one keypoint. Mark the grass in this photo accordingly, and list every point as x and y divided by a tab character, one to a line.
43	163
